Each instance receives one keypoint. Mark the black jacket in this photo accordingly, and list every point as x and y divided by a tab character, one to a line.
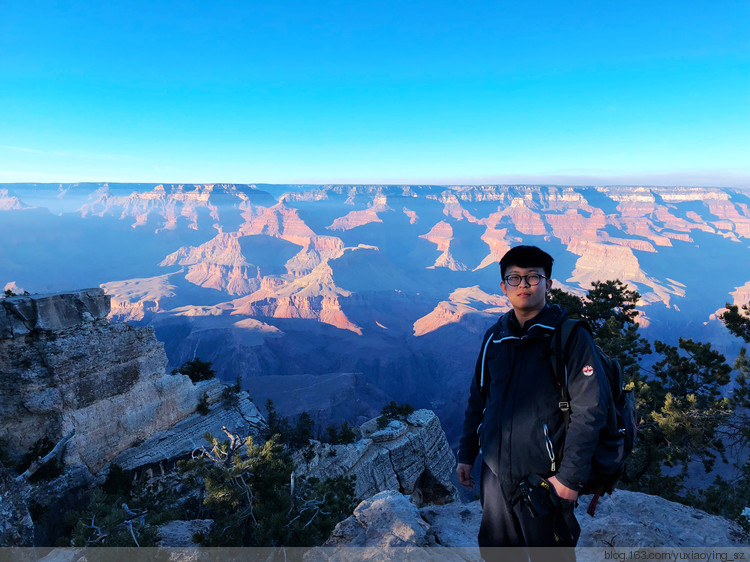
514	407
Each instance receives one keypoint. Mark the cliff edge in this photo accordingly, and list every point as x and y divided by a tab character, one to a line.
65	368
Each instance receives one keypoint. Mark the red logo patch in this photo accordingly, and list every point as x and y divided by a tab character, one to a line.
588	370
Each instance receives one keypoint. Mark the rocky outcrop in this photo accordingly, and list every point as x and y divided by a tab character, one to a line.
279	221
8	202
454	209
413	217
635	519
64	367
625	519
19	316
218	264
241	418
498	242
167	206
413	457
388	518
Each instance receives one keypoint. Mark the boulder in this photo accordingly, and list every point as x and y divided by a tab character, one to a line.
385	520
623	520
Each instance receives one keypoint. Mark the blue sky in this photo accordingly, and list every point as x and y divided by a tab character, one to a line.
376	92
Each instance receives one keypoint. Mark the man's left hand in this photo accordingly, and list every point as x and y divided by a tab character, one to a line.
562	490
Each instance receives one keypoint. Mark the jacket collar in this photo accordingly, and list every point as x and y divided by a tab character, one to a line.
548	319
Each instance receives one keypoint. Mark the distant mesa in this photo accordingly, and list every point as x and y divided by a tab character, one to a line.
461	302
441	235
354	219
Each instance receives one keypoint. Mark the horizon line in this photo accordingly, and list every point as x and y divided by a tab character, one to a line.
388	184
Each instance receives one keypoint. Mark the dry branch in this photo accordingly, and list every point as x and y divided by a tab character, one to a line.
40	462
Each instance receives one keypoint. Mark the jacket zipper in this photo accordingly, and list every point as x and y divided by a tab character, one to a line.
484	356
550	449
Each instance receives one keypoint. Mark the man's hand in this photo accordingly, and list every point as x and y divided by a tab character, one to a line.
561	489
464	475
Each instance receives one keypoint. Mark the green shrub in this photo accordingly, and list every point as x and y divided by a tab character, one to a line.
118	483
294	436
393	411
255	501
203	407
342	435
197	370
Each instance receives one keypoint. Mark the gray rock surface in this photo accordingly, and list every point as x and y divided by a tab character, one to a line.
416	460
634	519
23	314
624	519
186	435
389	516
180	533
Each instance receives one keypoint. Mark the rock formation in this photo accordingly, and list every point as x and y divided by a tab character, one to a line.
354	219
241	418
64	367
139	299
218	264
441	235
412	456
65	370
314	296
9	202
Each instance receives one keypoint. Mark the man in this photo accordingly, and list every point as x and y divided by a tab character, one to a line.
533	468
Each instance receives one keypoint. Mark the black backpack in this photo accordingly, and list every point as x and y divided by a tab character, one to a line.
617	438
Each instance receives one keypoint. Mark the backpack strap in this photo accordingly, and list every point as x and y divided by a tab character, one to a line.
484	378
559	351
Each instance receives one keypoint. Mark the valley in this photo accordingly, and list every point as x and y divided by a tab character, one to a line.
352	296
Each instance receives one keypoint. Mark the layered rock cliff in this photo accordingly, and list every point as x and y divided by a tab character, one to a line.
412	456
65	368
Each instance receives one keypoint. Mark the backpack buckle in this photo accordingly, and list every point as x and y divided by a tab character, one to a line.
564	406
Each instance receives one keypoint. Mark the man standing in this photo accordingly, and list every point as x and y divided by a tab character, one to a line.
533	467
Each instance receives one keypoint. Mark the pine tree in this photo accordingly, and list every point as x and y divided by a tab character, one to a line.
255	499
679	406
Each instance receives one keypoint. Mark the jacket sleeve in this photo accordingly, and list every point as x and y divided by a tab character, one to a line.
589	398
468	447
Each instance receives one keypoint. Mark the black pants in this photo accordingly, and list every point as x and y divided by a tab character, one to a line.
510	524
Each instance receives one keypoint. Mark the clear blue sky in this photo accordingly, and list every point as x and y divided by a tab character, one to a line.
385	92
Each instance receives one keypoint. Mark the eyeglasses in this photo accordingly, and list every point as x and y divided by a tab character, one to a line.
532	279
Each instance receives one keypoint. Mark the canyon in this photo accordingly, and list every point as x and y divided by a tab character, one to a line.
355	295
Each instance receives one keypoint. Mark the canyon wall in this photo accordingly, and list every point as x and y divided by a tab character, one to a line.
64	367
